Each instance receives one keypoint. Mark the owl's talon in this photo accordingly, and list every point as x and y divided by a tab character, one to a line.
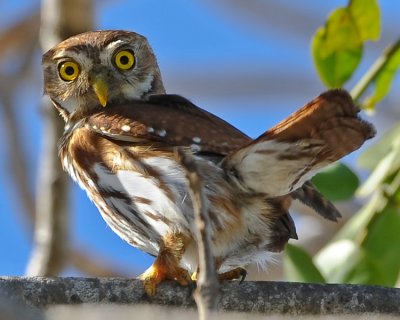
182	276
159	272
243	275
152	277
150	287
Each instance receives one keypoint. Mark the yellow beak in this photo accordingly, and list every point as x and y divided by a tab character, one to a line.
100	87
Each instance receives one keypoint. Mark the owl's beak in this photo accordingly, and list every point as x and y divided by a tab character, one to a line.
100	87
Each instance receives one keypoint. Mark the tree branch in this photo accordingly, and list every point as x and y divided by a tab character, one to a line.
207	291
374	70
22	38
17	37
261	297
60	19
9	85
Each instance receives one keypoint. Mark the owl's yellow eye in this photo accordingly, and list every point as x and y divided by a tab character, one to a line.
68	70
124	60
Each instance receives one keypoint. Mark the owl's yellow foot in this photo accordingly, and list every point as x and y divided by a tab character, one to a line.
237	273
159	272
166	266
151	278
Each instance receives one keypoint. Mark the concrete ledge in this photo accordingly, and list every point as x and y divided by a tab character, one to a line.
282	298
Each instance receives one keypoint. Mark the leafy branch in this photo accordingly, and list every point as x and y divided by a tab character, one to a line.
382	72
363	251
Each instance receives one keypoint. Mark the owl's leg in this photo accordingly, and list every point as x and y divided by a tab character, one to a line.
167	264
237	273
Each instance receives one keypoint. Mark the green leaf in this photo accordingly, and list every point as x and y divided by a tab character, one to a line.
355	228
383	80
382	243
345	261
337	182
366	16
298	266
366	252
377	261
338	259
396	197
366	271
337	48
370	158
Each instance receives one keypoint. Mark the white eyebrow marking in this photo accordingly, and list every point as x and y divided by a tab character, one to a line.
59	54
114	44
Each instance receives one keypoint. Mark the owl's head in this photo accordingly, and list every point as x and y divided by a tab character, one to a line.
96	68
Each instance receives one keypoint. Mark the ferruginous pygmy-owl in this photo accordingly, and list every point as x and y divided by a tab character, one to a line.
119	144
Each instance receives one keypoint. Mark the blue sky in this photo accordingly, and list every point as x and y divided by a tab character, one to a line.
198	45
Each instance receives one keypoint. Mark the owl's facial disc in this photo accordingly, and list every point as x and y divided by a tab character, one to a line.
100	68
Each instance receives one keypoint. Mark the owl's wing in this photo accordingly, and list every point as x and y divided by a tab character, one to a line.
171	120
323	131
174	121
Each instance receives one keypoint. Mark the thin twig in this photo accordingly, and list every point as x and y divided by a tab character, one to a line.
16	37
207	292
374	70
60	19
9	85
22	37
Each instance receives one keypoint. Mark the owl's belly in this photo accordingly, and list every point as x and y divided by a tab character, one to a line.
144	206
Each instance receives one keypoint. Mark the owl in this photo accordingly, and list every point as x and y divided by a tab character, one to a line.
121	135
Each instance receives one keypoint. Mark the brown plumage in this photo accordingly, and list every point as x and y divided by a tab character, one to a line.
121	134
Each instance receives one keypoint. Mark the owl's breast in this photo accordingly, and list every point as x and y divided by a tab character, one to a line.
141	196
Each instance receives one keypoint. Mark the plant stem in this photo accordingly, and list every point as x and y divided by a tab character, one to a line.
374	70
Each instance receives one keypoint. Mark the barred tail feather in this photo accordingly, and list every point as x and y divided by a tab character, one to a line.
286	156
309	196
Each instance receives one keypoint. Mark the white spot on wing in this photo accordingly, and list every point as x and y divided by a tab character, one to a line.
195	147
196	139
126	128
161	133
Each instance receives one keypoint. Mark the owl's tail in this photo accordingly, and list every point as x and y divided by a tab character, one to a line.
282	159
